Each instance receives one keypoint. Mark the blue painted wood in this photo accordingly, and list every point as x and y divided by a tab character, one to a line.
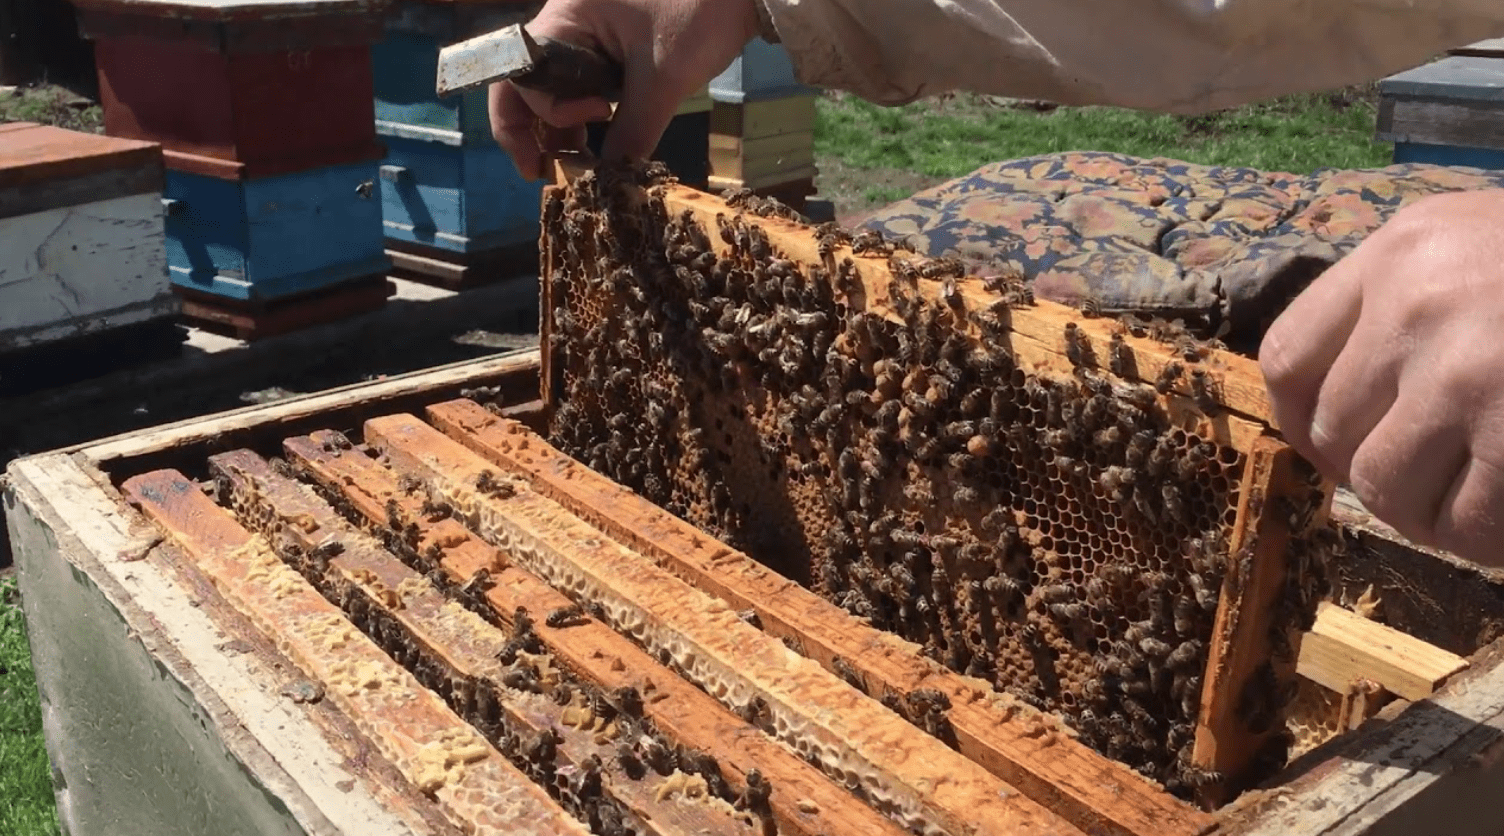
498	202
460	198
763	71
206	233
405	68
275	236
1417	152
1458	78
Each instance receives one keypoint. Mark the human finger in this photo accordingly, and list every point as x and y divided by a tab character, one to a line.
1358	390
1405	468
1298	350
648	103
1471	521
513	125
565	113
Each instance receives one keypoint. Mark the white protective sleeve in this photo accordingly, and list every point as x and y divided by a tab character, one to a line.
1178	56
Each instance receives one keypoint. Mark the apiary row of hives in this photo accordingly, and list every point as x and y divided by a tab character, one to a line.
731	587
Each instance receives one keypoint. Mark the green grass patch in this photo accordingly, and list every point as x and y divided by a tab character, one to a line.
957	134
26	802
51	105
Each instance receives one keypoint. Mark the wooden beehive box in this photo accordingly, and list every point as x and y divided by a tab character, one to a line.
265	114
84	258
1447	112
454	208
261	646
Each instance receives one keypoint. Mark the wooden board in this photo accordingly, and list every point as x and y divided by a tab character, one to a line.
515	376
768	182
228	10
275	111
1491	48
1430	766
37	154
756	160
769	117
1429	769
1344	646
1096	794
75	270
284	316
792	193
458	271
433	747
200	686
458	653
911	776
807	804
1241	703
1450	123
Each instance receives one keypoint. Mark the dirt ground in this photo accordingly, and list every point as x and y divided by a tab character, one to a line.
851	189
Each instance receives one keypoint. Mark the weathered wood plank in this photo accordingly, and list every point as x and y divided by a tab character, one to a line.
436	750
463	651
144	633
806	804
1432	768
1095	793
1343	646
31	153
1469	124
1490	48
76	269
913	776
515	372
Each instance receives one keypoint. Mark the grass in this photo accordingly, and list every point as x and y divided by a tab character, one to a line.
26	802
884	150
51	105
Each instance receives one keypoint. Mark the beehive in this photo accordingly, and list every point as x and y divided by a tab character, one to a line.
265	117
309	614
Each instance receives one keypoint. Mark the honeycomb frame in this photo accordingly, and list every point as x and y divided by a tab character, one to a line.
728	362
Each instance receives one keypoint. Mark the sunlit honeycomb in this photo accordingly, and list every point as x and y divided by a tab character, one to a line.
1313	717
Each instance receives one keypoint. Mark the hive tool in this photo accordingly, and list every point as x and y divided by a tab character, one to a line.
547	65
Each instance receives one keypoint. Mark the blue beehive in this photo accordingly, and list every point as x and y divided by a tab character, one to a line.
447	190
762	71
262	113
270	237
1448	112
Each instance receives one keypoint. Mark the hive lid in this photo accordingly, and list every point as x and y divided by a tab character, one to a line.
40	163
31	153
1459	77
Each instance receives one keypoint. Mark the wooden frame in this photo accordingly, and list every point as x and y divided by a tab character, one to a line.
1239	418
75	536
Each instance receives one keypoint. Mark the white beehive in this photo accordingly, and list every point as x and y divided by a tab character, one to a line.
82	247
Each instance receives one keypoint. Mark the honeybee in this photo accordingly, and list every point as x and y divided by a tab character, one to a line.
1204	391
1167	376
1120	359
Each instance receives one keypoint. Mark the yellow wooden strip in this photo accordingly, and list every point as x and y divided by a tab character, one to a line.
1343	646
916	778
441	754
